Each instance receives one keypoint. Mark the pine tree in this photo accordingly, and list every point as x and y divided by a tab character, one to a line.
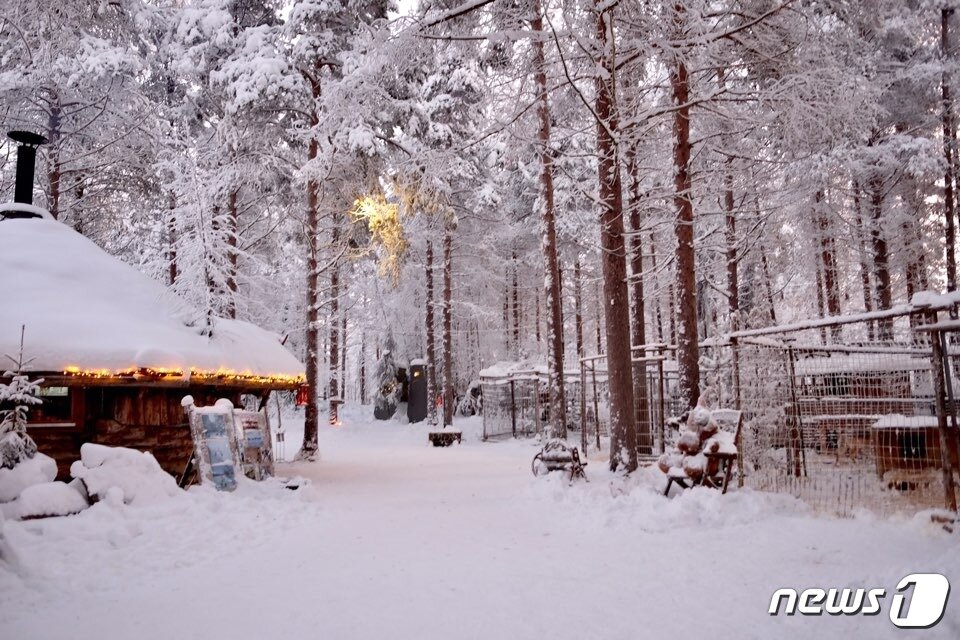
16	396
388	391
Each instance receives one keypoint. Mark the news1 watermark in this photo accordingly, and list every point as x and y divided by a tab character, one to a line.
918	602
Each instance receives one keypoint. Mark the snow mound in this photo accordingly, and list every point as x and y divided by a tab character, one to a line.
136	475
49	499
36	470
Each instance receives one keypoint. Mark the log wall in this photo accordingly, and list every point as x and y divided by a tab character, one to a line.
144	418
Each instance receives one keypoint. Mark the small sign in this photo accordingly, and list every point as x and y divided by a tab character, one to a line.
256	448
216	446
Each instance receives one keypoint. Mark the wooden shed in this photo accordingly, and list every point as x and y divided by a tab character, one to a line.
840	396
908	449
116	350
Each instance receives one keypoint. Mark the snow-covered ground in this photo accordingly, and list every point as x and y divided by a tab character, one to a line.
395	539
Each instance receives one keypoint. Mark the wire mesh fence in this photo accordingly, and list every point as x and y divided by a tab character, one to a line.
843	413
516	402
843	416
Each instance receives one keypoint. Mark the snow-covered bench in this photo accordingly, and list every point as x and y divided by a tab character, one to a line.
556	455
445	437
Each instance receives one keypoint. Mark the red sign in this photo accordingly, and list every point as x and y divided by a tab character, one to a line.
303	395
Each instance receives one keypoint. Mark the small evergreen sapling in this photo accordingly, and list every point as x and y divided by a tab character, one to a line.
388	391
16	396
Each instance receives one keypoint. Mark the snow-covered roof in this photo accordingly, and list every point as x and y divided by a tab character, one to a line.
861	362
86	312
898	421
506	368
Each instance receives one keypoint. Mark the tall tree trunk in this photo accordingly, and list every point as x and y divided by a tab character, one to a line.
818	269
949	153
171	224
730	236
333	344
688	353
507	342
599	319
623	428
864	265
55	170
312	230
672	303
448	325
730	228
516	309
828	290
881	264
578	306
363	367
768	285
232	254
831	281
431	341
343	355
658	311
638	312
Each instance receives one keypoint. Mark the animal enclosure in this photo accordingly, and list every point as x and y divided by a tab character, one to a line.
844	413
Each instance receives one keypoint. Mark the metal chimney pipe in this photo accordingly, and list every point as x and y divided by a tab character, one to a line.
27	143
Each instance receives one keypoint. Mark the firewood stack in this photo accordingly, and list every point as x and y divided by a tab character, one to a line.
699	435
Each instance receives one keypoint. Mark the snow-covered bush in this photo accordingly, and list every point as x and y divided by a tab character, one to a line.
36	470
135	474
50	499
16	397
472	402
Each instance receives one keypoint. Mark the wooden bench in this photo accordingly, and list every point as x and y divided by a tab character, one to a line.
730	421
445	438
556	455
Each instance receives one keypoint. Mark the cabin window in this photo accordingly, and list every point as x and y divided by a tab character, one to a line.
55	410
913	445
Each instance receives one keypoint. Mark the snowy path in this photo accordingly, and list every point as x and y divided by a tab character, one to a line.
394	539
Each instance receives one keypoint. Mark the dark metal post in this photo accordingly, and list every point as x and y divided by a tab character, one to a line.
797	435
27	143
583	407
596	402
513	409
663	400
939	389
734	344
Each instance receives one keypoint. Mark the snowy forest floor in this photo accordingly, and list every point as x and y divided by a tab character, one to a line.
395	539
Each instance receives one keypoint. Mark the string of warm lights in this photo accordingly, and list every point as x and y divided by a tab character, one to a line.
219	375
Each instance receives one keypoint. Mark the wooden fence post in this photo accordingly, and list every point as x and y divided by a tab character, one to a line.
939	390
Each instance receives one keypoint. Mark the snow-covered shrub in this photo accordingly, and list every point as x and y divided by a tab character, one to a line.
16	397
136	474
36	470
472	402
50	499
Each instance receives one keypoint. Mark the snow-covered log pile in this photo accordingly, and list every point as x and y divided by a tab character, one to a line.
699	435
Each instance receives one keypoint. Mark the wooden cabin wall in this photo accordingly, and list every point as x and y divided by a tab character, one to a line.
144	418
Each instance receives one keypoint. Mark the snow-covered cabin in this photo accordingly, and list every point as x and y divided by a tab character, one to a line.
116	350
